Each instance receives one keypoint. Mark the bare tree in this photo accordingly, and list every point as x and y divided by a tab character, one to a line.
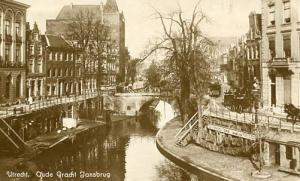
187	51
80	29
92	37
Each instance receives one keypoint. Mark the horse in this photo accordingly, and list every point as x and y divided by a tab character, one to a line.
292	112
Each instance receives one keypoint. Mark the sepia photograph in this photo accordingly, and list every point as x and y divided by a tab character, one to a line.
149	90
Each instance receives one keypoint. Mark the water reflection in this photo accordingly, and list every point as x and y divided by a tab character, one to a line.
168	171
126	151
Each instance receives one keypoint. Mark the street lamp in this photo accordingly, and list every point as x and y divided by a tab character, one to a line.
256	95
259	132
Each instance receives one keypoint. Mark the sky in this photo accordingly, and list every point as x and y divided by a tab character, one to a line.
227	17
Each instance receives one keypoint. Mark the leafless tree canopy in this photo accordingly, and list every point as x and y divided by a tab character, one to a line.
90	35
187	51
87	32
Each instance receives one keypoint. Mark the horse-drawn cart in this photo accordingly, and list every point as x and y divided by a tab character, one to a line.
238	101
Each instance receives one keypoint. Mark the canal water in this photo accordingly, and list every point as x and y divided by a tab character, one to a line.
124	151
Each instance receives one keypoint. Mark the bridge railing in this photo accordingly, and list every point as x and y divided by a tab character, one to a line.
37	105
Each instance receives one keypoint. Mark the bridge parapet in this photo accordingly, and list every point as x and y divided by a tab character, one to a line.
131	103
136	94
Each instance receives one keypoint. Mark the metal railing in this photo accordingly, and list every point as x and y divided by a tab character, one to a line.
186	129
274	122
40	104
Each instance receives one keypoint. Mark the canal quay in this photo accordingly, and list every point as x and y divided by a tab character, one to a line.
113	150
192	90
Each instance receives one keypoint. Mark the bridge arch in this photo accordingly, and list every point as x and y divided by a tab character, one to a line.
133	103
165	107
136	104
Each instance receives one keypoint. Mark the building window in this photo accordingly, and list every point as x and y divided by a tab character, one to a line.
287	11
257	50
289	152
53	87
18	54
18	28
30	67
18	86
55	72
40	66
287	46
7	27
7	53
33	67
39	87
61	56
36	36
31	49
272	48
271	15
50	56
41	50
7	86
48	89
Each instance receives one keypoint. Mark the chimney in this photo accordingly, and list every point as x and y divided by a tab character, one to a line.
71	5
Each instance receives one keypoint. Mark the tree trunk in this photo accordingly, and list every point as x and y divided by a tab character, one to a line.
200	120
185	99
200	111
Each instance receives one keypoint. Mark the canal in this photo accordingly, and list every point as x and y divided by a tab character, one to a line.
124	151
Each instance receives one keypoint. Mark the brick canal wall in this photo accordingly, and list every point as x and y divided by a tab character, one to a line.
220	141
279	148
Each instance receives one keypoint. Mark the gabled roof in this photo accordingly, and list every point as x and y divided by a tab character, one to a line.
35	27
71	11
111	6
54	41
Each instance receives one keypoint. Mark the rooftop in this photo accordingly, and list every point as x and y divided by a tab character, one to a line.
54	41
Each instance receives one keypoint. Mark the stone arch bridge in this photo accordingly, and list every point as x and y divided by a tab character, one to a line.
133	103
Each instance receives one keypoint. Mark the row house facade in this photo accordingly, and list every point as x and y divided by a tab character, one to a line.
61	59
253	47
231	66
249	54
242	66
280	53
12	50
280	60
113	60
36	64
109	66
241	71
